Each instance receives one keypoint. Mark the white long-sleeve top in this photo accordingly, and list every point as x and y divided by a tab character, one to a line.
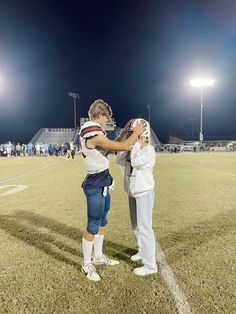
138	163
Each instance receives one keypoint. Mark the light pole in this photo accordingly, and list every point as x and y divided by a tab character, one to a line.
201	83
74	96
149	113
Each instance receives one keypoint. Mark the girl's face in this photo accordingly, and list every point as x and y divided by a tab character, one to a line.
142	141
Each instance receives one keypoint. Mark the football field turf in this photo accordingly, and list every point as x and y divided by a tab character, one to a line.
43	216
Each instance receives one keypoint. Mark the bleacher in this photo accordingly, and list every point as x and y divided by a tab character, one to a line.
110	127
54	136
155	141
112	135
62	135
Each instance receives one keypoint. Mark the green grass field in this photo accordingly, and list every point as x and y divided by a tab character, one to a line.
41	228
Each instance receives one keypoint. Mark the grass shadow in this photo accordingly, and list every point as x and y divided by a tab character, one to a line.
186	240
41	232
39	239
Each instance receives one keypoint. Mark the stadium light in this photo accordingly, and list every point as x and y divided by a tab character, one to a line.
74	96
201	83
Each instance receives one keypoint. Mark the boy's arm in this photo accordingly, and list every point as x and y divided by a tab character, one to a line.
105	143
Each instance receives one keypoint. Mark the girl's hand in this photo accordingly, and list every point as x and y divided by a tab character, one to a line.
142	141
128	125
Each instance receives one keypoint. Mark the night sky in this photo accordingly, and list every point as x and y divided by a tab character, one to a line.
129	53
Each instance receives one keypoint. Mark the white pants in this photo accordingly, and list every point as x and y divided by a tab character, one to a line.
141	220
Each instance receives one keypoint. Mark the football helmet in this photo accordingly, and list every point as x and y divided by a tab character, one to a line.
146	132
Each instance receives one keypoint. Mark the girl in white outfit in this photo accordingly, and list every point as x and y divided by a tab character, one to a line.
139	184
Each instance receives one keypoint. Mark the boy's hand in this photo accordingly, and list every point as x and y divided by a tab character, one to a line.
138	129
112	186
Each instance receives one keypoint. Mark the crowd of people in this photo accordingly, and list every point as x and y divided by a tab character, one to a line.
40	149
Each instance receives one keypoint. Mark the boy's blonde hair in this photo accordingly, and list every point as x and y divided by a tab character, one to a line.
99	107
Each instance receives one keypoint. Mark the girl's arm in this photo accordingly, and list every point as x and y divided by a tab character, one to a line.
140	158
124	131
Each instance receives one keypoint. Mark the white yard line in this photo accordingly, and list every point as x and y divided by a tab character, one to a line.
24	174
200	167
13	189
181	301
171	282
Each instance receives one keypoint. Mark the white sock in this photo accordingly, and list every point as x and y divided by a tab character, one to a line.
98	244
87	247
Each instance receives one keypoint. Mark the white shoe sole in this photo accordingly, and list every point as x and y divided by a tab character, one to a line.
103	263
94	277
144	274
136	258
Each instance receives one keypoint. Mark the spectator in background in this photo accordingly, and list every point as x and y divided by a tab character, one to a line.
1	150
61	149
30	149
25	149
8	149
4	150
18	149
64	150
56	149
37	148
45	149
68	149
50	150
13	150
72	149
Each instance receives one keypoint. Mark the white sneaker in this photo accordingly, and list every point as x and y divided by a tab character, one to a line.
105	261
90	271
136	257
144	271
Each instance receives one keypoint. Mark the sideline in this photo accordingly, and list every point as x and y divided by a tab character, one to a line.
25	174
181	301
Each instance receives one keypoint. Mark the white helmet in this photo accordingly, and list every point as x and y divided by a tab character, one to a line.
146	132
